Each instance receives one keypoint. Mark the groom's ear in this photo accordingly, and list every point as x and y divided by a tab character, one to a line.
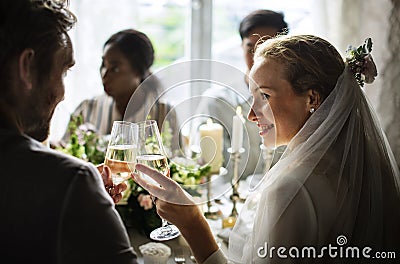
25	66
314	98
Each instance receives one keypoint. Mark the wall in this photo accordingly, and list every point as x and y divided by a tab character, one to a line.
350	22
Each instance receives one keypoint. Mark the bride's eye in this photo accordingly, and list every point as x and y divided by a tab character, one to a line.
265	96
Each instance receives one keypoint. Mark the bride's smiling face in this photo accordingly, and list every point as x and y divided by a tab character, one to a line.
278	111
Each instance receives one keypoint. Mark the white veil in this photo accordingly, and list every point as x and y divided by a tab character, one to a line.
342	168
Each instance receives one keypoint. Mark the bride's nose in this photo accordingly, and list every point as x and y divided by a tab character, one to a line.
251	116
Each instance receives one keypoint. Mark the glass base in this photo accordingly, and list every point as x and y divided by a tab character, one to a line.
165	233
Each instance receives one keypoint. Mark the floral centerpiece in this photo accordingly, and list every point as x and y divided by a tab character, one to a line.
136	208
84	142
188	173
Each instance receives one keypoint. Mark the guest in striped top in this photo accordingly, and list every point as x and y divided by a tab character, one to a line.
127	58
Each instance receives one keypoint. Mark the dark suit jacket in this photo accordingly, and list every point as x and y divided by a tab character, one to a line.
54	208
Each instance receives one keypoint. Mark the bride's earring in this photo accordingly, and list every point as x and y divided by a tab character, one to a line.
312	110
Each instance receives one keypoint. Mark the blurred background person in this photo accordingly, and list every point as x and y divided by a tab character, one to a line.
127	58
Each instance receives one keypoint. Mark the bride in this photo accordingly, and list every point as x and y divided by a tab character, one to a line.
337	184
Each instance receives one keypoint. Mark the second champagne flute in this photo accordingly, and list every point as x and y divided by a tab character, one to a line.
151	153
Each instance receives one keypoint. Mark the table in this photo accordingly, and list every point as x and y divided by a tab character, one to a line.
178	245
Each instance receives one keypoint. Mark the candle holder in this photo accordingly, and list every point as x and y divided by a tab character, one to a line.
213	212
235	197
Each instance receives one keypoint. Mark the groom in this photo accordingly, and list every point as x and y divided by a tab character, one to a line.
55	208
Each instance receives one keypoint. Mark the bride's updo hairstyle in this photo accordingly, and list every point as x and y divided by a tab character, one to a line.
309	62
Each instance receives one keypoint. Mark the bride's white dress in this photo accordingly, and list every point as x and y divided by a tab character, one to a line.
337	183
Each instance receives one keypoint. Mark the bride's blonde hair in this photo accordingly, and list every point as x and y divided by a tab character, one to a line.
309	62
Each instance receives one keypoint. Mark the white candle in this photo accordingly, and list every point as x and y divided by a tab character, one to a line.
237	130
211	144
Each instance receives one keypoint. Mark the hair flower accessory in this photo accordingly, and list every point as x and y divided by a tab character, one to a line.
361	63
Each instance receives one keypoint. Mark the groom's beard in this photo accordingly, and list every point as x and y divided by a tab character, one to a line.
36	115
35	125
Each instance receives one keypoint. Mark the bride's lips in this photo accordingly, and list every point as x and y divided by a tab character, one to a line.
264	128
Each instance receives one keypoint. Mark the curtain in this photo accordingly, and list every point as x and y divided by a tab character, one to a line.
350	22
390	99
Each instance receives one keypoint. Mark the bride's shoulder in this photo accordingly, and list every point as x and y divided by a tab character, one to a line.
315	188
300	203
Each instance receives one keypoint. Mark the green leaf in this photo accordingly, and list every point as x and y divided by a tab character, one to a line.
360	50
368	43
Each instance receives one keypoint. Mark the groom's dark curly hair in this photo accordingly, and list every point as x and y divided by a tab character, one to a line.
41	25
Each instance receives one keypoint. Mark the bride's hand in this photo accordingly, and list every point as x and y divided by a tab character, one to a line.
173	203
177	207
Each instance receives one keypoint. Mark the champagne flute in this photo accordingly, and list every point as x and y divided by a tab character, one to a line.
121	150
151	153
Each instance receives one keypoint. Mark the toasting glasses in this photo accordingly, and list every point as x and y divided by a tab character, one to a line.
151	153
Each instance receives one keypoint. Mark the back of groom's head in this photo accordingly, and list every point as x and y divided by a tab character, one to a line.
36	24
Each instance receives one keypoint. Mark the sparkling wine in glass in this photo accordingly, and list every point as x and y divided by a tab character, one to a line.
155	161
121	150
151	152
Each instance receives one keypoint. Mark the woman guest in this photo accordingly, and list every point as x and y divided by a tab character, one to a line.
335	185
127	58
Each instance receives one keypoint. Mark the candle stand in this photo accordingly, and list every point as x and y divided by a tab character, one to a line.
213	212
235	197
